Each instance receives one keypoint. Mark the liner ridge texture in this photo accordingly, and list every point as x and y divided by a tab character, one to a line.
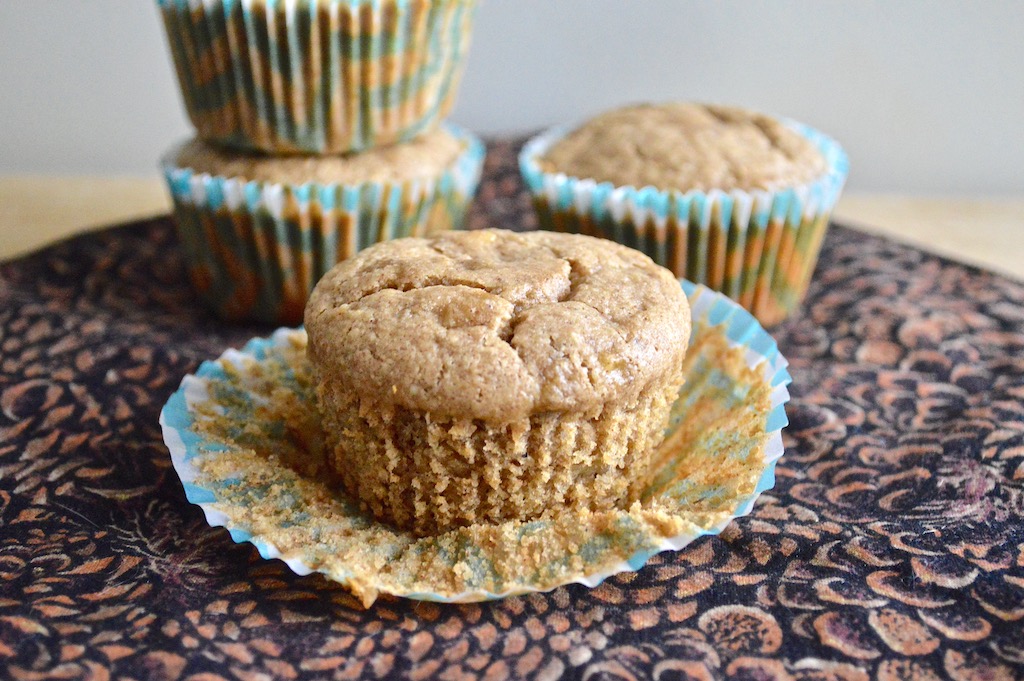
317	76
562	461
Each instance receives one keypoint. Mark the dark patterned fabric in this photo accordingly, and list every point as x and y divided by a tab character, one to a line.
892	546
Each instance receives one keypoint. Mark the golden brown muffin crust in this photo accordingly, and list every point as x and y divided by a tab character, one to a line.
497	326
423	157
686	147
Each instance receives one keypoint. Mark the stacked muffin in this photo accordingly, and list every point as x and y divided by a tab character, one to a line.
320	132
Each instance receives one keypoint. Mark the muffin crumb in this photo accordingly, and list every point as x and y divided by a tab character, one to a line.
687	147
424	157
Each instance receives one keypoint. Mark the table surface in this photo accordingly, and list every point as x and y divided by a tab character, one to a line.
891	547
985	232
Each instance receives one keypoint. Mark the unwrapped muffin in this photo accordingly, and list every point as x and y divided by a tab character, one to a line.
478	377
723	196
259	231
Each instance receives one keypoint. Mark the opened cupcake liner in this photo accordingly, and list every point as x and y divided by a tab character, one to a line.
254	250
758	247
244	439
317	76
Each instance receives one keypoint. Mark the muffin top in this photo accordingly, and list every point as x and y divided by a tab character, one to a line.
498	326
425	156
687	147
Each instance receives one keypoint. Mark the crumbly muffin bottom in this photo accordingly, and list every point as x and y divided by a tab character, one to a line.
430	474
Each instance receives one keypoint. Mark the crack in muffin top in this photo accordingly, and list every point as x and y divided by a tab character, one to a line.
687	147
497	326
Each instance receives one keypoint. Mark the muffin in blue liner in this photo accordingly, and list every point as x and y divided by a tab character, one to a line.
254	248
243	434
757	246
317	76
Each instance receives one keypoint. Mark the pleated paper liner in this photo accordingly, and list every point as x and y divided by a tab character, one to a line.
244	439
759	248
317	76
254	250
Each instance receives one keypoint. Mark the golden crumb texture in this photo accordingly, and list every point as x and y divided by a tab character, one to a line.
478	377
685	147
425	157
431	474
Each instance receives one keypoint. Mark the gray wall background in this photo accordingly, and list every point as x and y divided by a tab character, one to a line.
926	95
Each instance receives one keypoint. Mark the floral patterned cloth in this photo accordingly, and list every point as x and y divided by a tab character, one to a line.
892	546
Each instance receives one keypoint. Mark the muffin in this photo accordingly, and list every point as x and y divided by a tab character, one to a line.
479	377
317	76
258	232
731	198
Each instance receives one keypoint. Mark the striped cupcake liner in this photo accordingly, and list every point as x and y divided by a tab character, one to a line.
229	440
758	247
254	250
317	76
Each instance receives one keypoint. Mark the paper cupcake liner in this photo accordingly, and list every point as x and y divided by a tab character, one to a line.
243	437
317	76
757	247
254	250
